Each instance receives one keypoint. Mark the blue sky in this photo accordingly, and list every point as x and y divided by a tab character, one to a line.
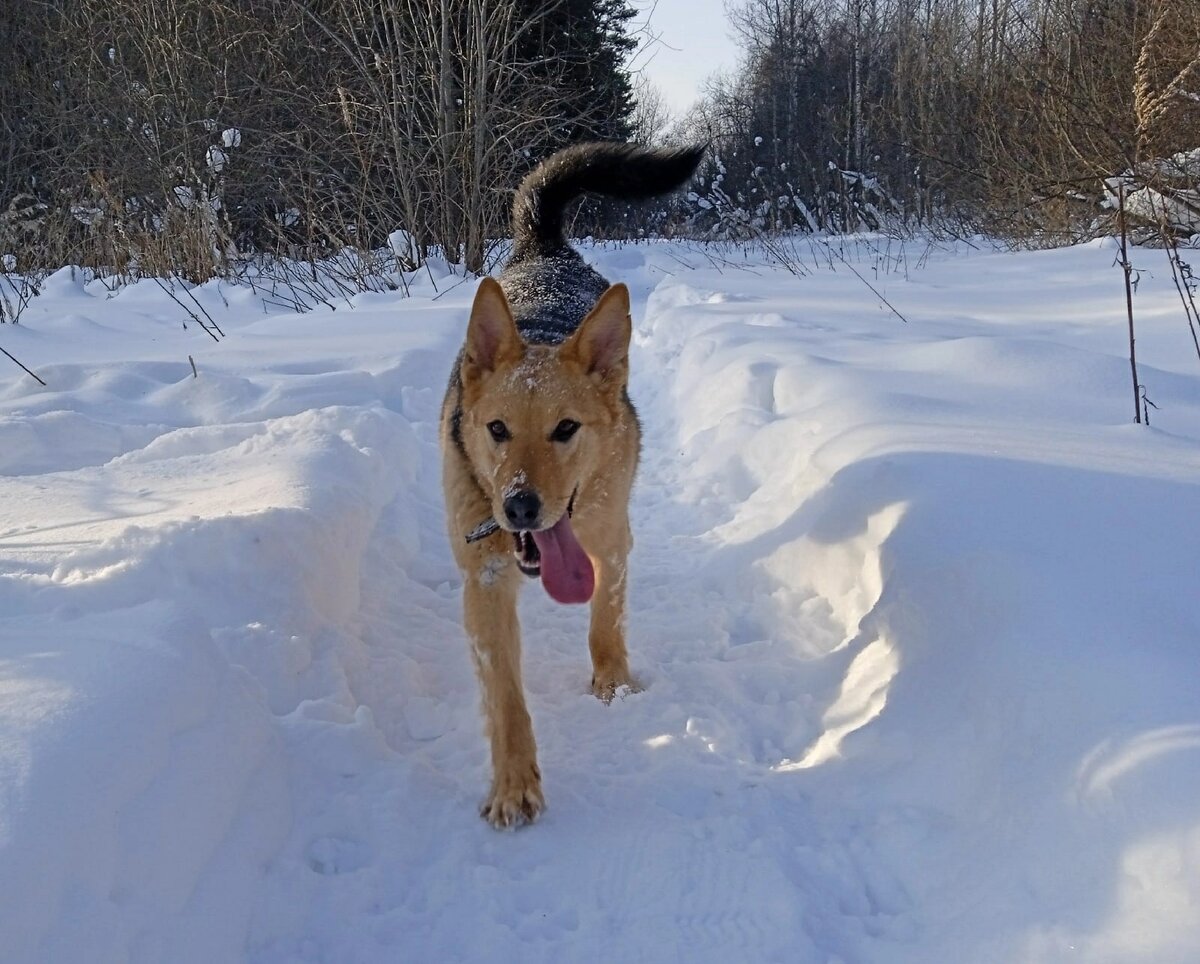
695	43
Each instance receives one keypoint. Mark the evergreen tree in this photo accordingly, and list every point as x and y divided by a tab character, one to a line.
579	53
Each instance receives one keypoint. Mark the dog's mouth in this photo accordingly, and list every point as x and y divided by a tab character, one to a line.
529	558
556	555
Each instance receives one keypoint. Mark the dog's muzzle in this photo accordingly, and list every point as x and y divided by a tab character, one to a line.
529	559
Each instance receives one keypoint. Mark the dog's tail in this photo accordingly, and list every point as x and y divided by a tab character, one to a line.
615	170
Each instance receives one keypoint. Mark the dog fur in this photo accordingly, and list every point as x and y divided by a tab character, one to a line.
539	437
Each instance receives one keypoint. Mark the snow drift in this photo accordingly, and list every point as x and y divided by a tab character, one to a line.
914	606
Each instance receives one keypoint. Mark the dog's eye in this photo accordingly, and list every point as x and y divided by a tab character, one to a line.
499	430
564	430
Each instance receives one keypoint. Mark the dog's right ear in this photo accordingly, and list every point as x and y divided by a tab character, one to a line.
492	336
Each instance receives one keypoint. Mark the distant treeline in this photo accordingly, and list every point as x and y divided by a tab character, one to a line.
184	136
1005	116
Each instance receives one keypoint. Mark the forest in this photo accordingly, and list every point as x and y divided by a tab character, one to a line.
182	137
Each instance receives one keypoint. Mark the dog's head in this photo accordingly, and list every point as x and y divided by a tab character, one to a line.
537	420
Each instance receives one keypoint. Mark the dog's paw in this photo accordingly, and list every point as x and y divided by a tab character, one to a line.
515	800
607	685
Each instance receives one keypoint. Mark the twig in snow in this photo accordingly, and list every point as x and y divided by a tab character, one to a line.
429	271
188	292
874	291
460	281
27	371
1127	268
24	290
169	289
1147	405
1185	283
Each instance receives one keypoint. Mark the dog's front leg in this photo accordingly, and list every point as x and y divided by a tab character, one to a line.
490	617
606	638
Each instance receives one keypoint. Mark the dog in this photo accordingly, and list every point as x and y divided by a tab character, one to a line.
540	444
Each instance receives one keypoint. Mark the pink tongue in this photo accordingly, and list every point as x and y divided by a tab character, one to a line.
566	569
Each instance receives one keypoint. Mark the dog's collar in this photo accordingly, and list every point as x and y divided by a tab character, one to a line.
483	530
490	525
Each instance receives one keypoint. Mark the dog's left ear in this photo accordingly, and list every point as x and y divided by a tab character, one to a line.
601	344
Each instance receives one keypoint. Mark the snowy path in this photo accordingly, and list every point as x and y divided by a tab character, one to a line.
913	605
654	828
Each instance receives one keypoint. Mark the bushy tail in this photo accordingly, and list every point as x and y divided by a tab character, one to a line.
612	169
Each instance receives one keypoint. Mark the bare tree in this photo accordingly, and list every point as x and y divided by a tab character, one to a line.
175	136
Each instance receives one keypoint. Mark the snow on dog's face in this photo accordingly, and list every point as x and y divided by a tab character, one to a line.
538	420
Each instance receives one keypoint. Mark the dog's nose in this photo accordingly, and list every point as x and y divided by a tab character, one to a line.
522	509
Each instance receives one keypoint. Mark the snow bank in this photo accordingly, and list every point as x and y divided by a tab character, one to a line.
140	671
913	604
1002	579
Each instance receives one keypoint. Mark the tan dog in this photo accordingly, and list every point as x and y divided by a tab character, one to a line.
540	446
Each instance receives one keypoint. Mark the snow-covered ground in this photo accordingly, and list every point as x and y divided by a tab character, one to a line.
915	606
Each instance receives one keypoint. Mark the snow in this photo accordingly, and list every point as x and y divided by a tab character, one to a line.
402	245
914	607
217	159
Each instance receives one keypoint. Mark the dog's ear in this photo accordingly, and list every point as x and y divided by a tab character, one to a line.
601	344
492	336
